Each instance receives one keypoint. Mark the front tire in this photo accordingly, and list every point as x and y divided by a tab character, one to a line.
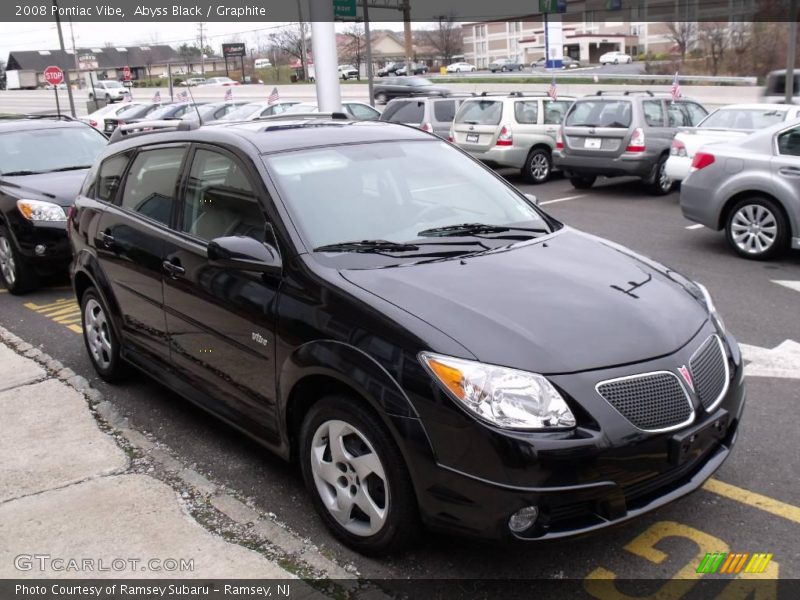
18	275
381	98
756	228
100	339
538	166
582	182
357	477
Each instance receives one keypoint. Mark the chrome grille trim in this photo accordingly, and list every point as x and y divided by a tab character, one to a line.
726	383
681	385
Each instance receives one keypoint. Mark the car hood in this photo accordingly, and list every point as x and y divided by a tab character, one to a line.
61	188
563	304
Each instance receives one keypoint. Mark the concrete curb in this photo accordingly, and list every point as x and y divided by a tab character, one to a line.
211	505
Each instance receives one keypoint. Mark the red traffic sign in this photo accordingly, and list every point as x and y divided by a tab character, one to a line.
53	75
126	73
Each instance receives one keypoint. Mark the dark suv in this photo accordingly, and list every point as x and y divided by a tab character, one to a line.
622	133
43	161
428	344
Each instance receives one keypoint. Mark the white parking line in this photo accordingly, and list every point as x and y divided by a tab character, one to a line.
561	199
698	226
792	285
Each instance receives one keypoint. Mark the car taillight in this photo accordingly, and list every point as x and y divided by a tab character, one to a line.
559	140
637	141
702	160
92	122
427	127
505	138
678	148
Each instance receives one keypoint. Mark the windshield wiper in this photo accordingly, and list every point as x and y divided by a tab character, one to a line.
75	168
474	228
18	173
367	246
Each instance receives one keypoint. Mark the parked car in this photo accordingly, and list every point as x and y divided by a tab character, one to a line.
176	110
213	111
403	393
193	81
109	90
97	118
43	161
389	69
511	130
461	67
347	72
416	69
750	187
724	124
566	63
359	111
405	87
615	58
132	112
505	64
622	134
262	63
219	81
256	110
432	114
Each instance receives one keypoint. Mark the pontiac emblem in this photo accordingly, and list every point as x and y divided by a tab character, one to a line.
687	376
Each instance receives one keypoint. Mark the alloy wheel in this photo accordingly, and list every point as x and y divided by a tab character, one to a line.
98	337
754	229
349	478
540	167
7	265
664	182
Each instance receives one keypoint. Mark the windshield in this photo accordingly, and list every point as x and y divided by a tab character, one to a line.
112	84
396	192
42	150
417	81
135	111
743	118
480	112
600	113
301	108
243	112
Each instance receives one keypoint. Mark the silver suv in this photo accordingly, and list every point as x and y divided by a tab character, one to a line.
623	133
514	129
433	114
110	90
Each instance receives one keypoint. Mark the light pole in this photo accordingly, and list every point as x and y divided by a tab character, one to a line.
323	40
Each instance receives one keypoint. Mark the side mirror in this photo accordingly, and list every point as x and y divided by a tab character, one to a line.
533	199
243	253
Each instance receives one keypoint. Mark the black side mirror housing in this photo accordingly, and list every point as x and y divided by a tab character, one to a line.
244	253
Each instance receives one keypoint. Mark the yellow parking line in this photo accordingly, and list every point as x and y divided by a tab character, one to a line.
765	503
3	291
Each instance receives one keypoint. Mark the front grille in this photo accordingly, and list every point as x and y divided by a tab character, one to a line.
710	372
653	401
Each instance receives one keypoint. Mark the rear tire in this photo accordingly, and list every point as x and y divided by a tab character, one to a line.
756	228
661	184
381	98
538	166
582	182
15	271
337	432
99	337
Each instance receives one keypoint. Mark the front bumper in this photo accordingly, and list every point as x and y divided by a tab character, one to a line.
699	202
627	164
597	476
499	156
51	236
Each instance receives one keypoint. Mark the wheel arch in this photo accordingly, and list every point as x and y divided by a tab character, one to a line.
731	202
86	274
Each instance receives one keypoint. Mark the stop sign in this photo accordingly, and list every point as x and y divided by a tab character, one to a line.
126	73
53	75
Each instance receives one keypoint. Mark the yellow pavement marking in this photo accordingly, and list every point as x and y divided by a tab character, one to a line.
3	291
765	503
64	311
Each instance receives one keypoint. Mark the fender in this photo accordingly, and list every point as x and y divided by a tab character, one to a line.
85	263
356	369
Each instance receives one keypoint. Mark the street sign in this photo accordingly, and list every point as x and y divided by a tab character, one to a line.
126	73
344	9
53	75
234	50
552	6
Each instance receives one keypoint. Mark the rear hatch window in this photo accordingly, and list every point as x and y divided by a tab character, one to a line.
600	113
480	112
404	112
477	124
598	127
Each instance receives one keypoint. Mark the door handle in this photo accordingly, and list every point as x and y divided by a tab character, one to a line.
790	171
172	269
106	238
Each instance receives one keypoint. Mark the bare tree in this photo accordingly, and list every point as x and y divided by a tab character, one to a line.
714	37
683	34
355	46
289	41
446	38
741	37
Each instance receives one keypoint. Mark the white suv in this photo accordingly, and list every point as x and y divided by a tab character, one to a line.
511	130
110	91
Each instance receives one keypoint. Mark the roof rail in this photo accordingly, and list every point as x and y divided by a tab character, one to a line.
155	126
622	93
38	116
310	116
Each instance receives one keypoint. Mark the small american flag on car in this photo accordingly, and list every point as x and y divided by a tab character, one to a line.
676	88
157	98
229	95
553	91
182	96
273	96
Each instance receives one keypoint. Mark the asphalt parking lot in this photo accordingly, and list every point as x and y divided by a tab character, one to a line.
751	505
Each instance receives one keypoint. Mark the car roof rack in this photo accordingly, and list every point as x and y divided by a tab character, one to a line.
288	116
623	93
138	128
38	116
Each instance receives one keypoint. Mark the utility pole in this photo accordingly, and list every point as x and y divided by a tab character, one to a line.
370	74
407	34
790	59
200	26
74	53
303	53
326	73
63	49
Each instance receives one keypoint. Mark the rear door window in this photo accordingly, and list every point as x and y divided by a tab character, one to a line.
653	113
554	111
404	112
600	113
151	182
109	176
696	112
527	112
480	112
444	111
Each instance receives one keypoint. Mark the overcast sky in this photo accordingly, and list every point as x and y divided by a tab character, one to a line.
43	36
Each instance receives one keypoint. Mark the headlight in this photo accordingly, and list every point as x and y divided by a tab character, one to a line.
712	310
36	210
505	397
